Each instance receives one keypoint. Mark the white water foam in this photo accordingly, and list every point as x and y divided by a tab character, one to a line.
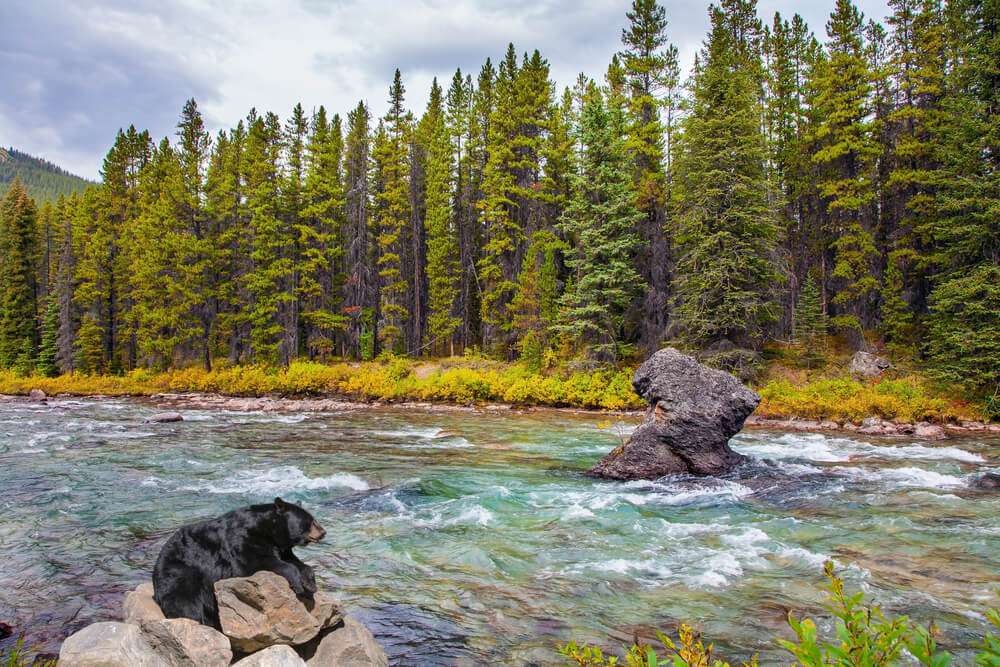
641	569
824	449
476	514
576	512
283	479
904	477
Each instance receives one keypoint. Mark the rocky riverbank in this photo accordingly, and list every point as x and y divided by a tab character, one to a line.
172	402
263	624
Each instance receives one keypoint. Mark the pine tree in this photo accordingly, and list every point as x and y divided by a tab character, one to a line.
160	318
108	260
18	259
227	227
394	216
460	122
442	242
964	335
48	349
809	332
601	218
199	243
90	276
360	296
727	231
846	158
649	65
320	277
270	266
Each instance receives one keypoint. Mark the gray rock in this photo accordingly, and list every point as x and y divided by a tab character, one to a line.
274	656
349	645
139	605
186	643
164	417
109	645
262	610
972	426
868	365
693	412
829	425
36	395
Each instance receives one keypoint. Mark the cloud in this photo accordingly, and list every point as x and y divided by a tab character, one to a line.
73	73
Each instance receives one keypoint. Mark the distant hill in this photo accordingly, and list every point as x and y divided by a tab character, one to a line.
44	180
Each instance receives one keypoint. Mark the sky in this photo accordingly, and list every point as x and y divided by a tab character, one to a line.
73	73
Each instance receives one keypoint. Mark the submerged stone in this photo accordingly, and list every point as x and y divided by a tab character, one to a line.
693	412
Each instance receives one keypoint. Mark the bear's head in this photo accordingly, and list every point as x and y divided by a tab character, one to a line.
295	526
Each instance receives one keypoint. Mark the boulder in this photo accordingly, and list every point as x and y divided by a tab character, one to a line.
693	412
274	656
829	425
109	645
929	431
868	365
163	418
262	610
875	426
186	643
36	395
989	481
349	645
139	605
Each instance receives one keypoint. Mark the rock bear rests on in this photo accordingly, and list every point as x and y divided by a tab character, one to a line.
236	544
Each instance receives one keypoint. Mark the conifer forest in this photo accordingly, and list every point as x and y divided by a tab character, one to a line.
794	182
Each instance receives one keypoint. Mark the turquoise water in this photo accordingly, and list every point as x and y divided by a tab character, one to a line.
489	546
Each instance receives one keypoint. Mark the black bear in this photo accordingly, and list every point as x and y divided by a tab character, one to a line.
236	544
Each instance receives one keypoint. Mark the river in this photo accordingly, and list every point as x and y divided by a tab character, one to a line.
489	546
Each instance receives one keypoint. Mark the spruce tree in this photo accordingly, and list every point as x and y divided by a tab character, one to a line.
442	242
601	218
394	215
650	70
809	332
964	336
18	259
360	295
269	265
846	158
727	230
320	276
48	349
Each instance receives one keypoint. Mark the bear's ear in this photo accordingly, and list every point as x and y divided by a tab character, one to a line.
281	505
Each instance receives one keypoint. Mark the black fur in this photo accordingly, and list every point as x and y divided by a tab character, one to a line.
236	544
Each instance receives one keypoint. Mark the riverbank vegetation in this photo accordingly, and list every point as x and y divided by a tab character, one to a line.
796	186
865	637
828	392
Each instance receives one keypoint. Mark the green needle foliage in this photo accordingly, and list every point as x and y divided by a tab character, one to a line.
850	172
727	232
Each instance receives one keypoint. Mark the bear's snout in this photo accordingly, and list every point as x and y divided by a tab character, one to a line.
316	533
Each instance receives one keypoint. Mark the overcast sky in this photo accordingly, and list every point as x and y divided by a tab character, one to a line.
72	73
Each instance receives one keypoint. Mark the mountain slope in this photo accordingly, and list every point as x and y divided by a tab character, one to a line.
44	180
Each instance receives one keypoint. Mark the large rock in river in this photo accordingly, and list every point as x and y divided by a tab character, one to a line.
693	412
